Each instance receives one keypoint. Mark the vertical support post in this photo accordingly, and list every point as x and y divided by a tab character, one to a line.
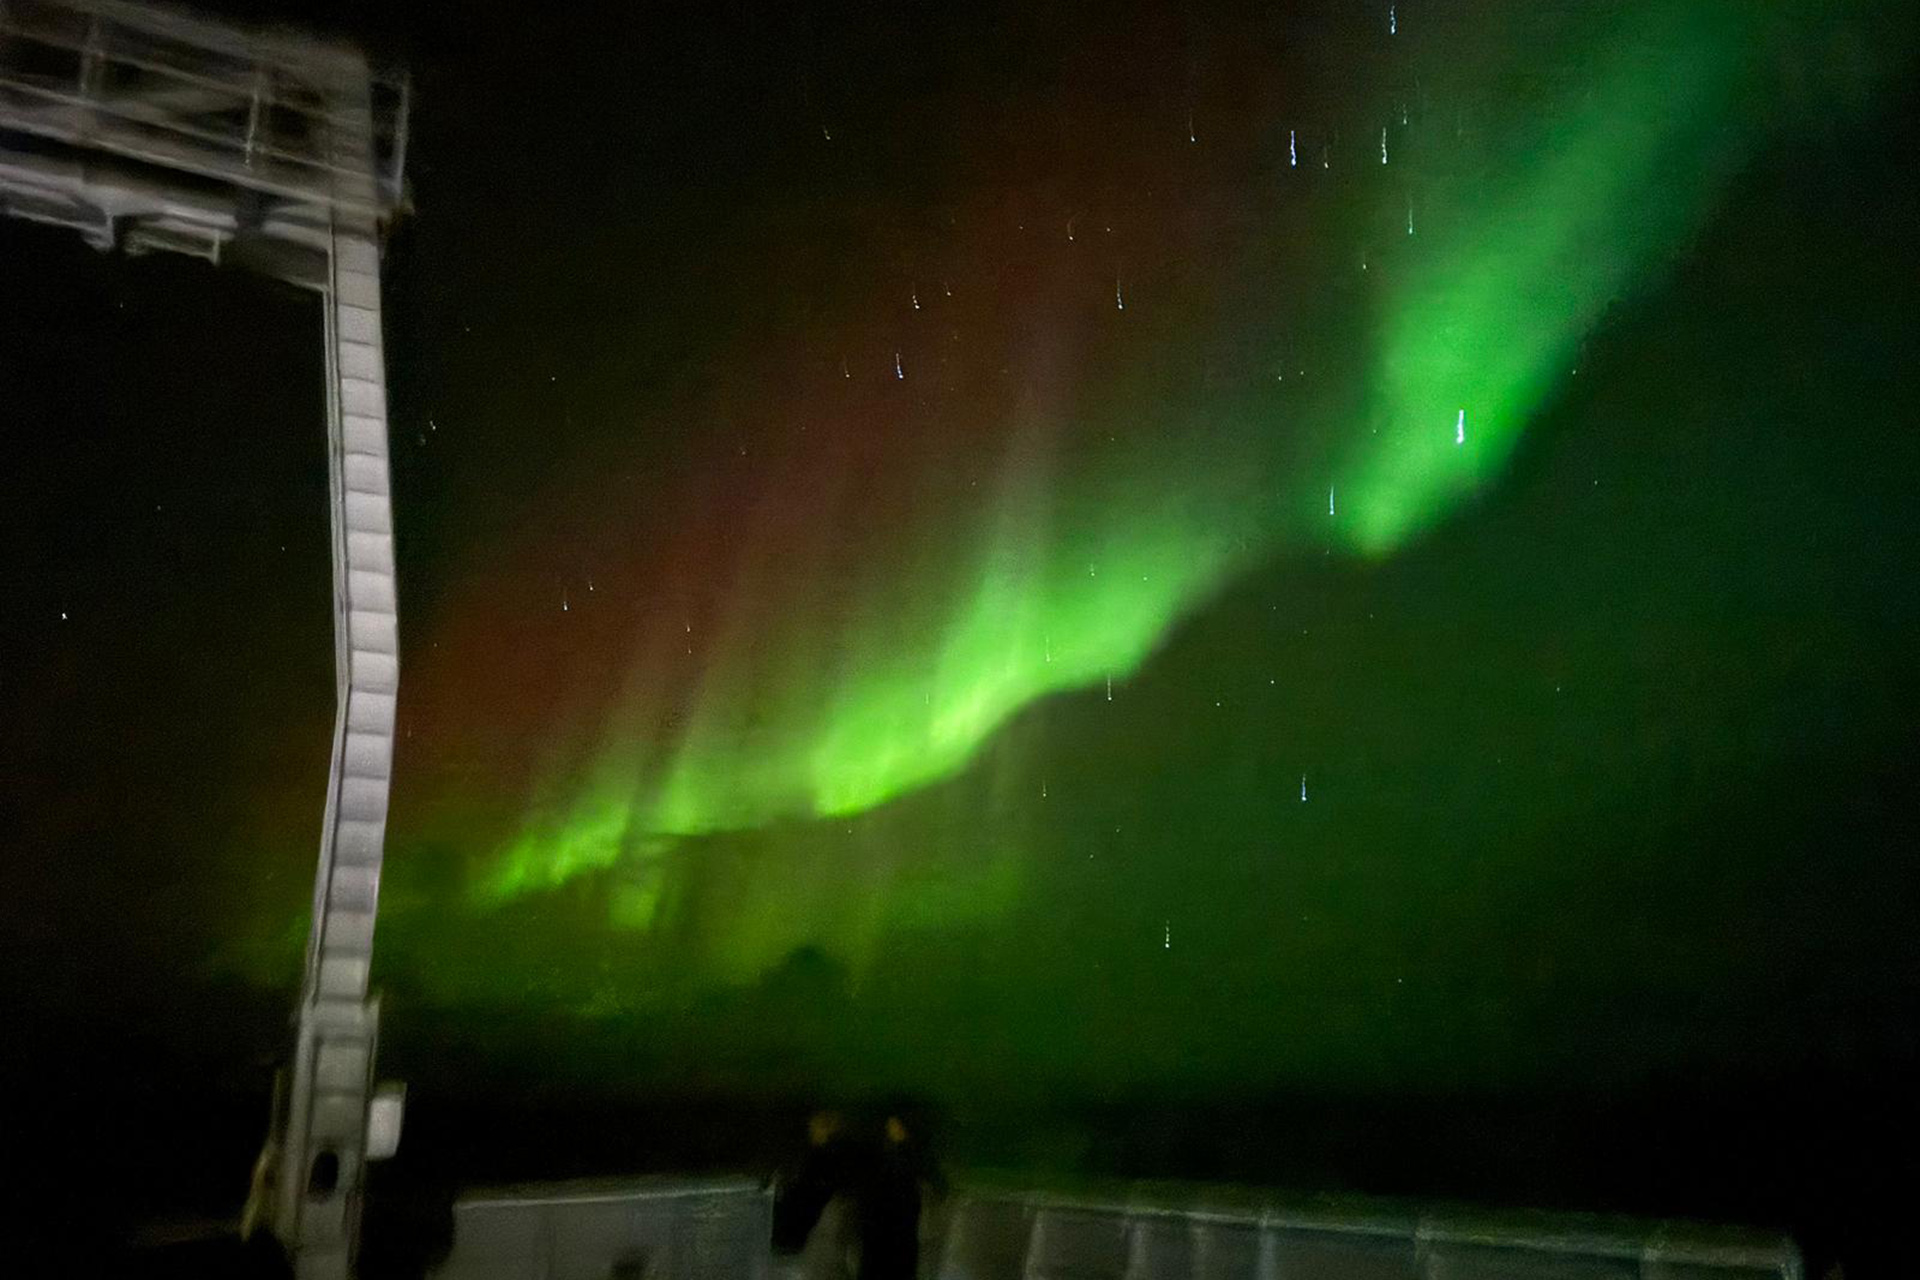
324	1157
1269	1265
401	123
256	111
1036	1258
92	69
1138	1239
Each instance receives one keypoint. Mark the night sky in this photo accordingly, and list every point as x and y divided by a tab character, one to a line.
1046	551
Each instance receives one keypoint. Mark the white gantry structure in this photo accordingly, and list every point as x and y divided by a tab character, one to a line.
153	129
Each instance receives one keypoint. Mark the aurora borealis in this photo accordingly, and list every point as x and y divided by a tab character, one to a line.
1047	552
832	672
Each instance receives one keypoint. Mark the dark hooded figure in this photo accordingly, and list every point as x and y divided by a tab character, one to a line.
882	1172
825	1171
889	1196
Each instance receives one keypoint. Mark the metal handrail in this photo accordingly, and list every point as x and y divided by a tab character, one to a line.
245	70
188	30
138	113
250	75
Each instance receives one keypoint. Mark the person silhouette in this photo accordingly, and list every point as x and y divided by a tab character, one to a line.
880	1172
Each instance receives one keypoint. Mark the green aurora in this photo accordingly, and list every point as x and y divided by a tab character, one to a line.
1516	240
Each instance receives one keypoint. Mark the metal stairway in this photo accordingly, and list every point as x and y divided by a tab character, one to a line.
324	1141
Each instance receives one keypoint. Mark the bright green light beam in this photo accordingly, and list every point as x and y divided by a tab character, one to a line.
1525	237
